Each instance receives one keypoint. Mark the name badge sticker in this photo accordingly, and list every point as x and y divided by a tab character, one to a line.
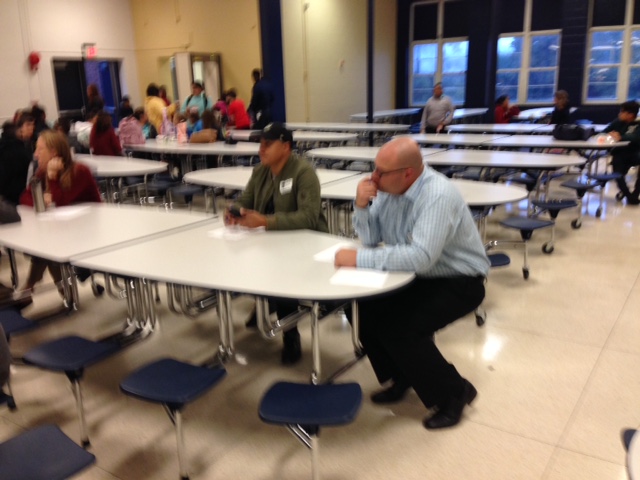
286	186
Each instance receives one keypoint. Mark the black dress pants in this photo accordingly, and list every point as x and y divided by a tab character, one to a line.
396	333
623	160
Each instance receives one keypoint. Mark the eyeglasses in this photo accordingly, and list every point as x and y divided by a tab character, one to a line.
381	174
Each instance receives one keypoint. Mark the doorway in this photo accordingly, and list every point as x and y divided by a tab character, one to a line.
72	78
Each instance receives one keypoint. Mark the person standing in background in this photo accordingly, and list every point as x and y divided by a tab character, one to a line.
438	111
95	102
236	111
154	106
198	99
261	101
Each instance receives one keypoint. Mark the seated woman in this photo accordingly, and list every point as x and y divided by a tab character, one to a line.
103	139
504	111
561	110
207	130
64	182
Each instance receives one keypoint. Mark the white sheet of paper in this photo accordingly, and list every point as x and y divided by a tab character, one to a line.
329	254
234	232
360	277
64	213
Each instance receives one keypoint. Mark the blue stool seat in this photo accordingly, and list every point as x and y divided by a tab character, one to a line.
499	259
604	177
44	453
525	224
186	190
581	187
171	382
12	322
69	354
553	206
306	404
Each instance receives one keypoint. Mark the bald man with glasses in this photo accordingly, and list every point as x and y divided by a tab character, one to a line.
411	218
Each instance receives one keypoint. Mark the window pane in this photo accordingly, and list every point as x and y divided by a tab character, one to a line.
454	57
454	85
635	47
507	84
634	84
425	58
606	47
544	50
603	83
422	88
541	86
509	52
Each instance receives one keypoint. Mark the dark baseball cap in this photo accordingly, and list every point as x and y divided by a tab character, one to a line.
277	131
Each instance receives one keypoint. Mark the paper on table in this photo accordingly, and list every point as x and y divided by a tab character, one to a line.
64	213
234	232
329	254
360	277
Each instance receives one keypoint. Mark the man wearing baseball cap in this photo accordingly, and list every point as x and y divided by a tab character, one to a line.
283	193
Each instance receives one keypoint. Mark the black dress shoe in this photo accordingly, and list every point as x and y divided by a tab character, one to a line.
631	200
393	394
450	413
291	350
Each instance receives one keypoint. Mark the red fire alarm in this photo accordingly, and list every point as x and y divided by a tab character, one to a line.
34	61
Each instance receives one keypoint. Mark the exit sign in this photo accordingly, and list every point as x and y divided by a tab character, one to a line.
90	50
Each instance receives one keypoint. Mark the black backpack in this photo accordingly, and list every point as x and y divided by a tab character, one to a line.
572	132
206	101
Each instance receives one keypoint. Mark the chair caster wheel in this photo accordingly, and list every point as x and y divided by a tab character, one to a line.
619	196
480	320
598	213
11	403
547	248
576	224
525	273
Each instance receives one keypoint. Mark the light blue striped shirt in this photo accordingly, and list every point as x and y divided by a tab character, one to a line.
428	230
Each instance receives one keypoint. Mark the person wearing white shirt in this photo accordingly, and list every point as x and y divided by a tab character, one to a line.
411	218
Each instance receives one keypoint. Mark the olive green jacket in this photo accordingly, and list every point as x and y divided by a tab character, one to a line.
295	192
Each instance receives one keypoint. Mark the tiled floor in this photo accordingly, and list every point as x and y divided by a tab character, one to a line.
556	368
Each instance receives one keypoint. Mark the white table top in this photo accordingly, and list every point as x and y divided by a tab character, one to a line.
500	159
461	139
215	148
537	113
278	264
362	154
547	141
475	194
236	178
64	232
468	112
348	127
300	136
495	128
110	166
548	129
382	114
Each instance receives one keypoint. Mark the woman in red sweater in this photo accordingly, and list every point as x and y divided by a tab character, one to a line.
504	111
103	139
64	182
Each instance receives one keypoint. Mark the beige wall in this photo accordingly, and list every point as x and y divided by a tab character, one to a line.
325	58
228	27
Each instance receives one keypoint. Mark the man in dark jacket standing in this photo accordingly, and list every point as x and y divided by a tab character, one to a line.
261	101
